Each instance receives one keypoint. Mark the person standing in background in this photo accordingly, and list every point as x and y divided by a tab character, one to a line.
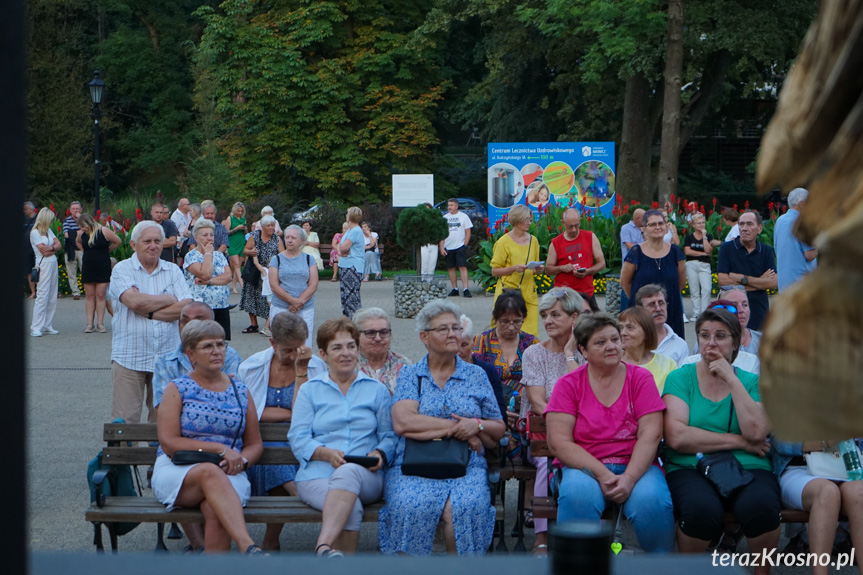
729	218
73	256
44	244
697	247
157	212
182	218
630	235
574	256
428	255
454	247
352	262
794	259
96	242
28	259
237	228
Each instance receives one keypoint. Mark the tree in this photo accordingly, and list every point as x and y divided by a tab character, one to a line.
322	96
670	152
420	226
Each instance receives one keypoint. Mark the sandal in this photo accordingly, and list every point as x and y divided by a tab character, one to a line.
329	553
251	329
255	550
334	279
266	332
101	328
89	328
540	550
528	519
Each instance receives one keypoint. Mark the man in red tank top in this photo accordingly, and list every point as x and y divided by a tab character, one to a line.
575	255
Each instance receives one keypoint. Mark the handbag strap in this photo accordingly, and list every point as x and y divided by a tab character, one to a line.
731	411
242	413
526	259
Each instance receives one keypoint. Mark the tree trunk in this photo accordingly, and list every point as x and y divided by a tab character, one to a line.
669	157
710	87
419	257
633	170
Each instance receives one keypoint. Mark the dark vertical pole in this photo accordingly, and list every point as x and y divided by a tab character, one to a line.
97	116
13	152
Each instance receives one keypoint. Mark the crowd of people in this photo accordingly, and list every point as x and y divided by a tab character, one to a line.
631	409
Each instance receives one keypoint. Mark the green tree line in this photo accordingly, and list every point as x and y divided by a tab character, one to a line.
317	98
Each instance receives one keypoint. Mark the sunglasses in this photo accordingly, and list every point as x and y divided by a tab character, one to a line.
730	308
734	287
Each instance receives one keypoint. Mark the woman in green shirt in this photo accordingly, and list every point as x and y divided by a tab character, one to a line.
712	407
236	226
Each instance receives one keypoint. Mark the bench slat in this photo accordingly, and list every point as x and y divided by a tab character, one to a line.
147	456
148	432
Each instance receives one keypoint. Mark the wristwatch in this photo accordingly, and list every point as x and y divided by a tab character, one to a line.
150	315
245	464
479	422
744	281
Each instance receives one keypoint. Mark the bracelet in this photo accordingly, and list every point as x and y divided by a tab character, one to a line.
224	451
303	374
570	358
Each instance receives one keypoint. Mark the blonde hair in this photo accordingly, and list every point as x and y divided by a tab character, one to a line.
519	214
355	215
87	223
238	205
43	221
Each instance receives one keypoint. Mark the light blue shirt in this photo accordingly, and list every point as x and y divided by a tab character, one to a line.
632	234
357	257
172	365
356	423
791	262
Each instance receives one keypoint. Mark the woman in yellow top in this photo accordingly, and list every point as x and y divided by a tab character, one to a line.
638	336
512	252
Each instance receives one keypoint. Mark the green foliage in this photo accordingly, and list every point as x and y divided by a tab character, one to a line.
420	226
321	96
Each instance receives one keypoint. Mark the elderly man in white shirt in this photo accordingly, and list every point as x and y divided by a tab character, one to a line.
148	295
182	217
654	298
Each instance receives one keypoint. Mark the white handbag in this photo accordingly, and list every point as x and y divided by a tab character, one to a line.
827	465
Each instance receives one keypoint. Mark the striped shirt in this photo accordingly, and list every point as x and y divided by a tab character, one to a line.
136	340
70	227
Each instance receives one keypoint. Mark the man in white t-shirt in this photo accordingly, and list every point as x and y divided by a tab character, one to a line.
182	218
454	247
654	299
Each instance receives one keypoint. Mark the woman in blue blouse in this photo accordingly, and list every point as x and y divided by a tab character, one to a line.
208	274
352	262
441	396
338	414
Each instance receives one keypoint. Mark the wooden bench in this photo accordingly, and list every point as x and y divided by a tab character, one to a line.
123	447
546	507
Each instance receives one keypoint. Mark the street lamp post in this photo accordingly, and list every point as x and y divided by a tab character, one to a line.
97	87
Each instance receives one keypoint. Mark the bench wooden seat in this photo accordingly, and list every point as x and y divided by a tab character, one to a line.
131	444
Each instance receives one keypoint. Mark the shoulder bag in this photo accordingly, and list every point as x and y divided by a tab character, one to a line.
198	456
723	470
251	274
444	458
34	273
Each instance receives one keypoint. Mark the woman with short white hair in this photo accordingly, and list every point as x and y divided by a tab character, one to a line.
293	277
267	211
376	358
208	274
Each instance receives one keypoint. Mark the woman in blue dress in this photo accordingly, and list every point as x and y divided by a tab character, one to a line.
207	411
441	396
656	262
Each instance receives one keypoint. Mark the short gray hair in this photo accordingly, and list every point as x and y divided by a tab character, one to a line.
266	210
466	326
146	224
267	220
650	290
569	299
364	315
198	330
288	327
433	309
302	233
196	210
33	206
203	224
796	196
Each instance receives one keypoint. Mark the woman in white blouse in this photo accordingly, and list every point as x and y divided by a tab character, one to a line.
45	244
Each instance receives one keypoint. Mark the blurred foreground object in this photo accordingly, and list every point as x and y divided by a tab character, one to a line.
812	350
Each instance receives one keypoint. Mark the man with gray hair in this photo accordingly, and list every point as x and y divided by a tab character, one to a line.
73	254
148	295
220	233
794	259
654	299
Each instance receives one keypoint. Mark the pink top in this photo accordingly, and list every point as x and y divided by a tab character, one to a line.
607	433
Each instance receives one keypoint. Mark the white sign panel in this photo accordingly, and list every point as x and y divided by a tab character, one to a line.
410	190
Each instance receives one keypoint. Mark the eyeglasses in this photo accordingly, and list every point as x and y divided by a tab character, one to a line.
718	337
445	329
572	226
731	308
508	323
654	224
372	333
731	288
657	303
212	346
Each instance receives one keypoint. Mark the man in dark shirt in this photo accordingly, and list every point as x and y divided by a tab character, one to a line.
746	261
157	212
29	258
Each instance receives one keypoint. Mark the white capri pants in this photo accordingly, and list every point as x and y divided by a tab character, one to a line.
368	487
700	285
428	255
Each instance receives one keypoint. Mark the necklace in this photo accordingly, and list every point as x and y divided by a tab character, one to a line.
658	262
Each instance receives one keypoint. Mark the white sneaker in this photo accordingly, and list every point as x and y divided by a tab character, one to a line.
50	331
685	319
36	334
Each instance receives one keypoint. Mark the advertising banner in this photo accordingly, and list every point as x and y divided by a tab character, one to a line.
579	174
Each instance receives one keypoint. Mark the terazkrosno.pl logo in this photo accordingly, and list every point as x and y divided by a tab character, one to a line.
585	151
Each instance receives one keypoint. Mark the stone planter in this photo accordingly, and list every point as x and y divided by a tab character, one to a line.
612	294
413	292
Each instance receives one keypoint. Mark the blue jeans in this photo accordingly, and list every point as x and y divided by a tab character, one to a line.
648	508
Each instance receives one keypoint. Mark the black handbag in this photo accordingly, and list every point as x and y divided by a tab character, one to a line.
444	458
189	457
251	273
723	470
34	273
